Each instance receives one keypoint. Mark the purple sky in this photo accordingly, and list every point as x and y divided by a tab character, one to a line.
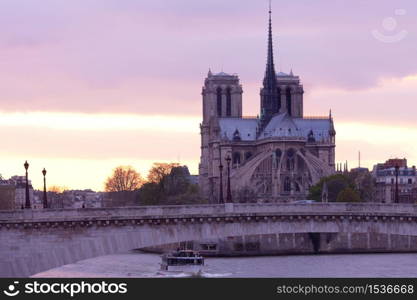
149	58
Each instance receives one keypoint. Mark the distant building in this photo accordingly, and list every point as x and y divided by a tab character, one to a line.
386	180
7	195
360	170
391	163
75	199
20	195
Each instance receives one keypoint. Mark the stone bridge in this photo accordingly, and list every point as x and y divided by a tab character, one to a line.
32	241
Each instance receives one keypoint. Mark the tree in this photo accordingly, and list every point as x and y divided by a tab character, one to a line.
58	189
124	178
335	184
159	171
169	184
364	184
178	181
151	194
348	195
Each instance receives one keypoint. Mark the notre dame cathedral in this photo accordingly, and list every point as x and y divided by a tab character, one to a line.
274	157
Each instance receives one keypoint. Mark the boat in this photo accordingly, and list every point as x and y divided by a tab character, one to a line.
183	261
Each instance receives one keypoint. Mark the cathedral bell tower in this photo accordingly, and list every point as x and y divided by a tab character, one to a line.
222	96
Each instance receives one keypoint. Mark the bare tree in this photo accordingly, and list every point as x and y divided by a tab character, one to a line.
124	178
159	171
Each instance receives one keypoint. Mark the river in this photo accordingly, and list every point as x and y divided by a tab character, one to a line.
138	264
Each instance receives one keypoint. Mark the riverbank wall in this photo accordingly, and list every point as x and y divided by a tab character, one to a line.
297	243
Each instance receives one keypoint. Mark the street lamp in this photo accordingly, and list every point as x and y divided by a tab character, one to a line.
229	194
397	168
45	200
27	200
221	200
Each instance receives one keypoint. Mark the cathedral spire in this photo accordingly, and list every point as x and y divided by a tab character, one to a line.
270	98
270	81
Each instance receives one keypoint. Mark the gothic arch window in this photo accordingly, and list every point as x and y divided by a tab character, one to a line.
300	164
248	155
290	159
219	101
288	97
228	102
278	154
279	100
287	184
236	158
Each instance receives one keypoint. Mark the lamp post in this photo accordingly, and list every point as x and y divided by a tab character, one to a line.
221	200
229	194
27	200
397	168
45	199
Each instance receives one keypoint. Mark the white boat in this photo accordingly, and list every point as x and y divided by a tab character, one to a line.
183	261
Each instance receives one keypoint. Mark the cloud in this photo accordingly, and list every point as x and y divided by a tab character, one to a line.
78	67
140	56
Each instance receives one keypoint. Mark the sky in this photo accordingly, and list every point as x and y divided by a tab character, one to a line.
88	85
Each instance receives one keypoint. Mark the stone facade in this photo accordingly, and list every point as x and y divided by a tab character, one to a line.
19	184
386	179
7	196
273	157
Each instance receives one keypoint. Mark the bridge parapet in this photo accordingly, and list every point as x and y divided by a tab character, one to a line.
276	209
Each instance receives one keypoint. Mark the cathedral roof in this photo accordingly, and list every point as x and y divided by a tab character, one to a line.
282	74
281	125
245	127
223	74
320	127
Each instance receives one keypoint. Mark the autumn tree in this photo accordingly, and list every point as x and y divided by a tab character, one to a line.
169	184
58	189
159	171
124	178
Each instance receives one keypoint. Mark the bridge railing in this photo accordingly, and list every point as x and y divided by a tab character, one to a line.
205	210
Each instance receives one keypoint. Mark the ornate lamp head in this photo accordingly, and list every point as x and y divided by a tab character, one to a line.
228	159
